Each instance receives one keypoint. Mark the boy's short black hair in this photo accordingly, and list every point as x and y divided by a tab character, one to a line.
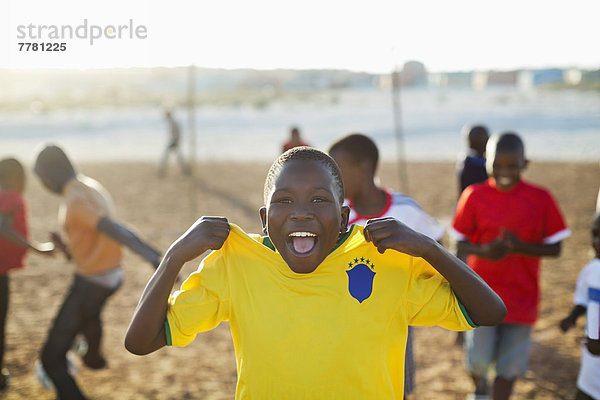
10	167
470	130
509	142
53	166
359	147
305	153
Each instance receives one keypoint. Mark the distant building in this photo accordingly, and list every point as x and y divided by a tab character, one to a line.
543	77
413	74
547	76
502	78
590	77
452	79
483	79
573	76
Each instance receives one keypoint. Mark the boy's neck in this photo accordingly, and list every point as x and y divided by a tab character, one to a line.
371	201
474	153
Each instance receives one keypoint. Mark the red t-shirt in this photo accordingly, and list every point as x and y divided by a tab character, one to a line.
528	211
12	256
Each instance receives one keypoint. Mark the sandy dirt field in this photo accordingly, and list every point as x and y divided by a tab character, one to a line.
161	209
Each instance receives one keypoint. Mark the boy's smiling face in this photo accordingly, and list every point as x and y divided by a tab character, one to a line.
506	169
303	215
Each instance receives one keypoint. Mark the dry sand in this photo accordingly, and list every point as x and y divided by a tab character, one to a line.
161	209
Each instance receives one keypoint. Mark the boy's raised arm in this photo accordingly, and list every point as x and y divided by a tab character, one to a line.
146	332
483	305
129	239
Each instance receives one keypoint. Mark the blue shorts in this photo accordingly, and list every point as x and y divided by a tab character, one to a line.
507	345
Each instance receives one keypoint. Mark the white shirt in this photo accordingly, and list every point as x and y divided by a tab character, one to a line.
587	294
407	211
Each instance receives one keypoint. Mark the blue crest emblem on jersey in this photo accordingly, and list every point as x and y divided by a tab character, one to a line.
360	279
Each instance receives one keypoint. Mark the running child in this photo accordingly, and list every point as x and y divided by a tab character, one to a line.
315	309
506	225
95	239
14	240
587	300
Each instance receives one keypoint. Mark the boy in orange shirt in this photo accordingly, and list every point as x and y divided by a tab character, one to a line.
95	241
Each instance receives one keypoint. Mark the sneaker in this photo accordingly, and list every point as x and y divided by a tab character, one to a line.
473	396
80	347
4	378
43	377
96	361
481	391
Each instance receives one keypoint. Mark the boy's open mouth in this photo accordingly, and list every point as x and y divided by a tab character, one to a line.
302	242
504	181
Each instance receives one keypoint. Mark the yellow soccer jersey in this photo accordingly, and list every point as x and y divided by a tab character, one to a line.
338	332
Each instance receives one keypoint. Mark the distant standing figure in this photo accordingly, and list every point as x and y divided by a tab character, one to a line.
472	168
294	140
173	146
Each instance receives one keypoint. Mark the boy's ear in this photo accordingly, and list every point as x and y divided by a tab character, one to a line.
345	219
525	164
263	218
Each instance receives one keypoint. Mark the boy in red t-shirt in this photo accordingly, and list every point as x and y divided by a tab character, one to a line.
14	239
294	141
506	225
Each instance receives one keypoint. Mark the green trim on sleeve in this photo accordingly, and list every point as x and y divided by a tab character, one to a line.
168	333
466	314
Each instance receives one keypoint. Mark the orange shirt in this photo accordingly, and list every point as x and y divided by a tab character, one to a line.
85	203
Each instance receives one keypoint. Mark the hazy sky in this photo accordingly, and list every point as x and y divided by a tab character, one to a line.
369	36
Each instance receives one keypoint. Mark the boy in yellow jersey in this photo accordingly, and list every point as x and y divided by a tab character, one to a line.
316	310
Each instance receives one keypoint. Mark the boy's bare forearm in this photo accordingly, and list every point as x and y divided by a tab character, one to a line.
494	250
127	238
146	330
483	305
539	250
14	237
469	248
145	333
571	319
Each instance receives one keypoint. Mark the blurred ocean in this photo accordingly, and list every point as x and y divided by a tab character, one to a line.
555	124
